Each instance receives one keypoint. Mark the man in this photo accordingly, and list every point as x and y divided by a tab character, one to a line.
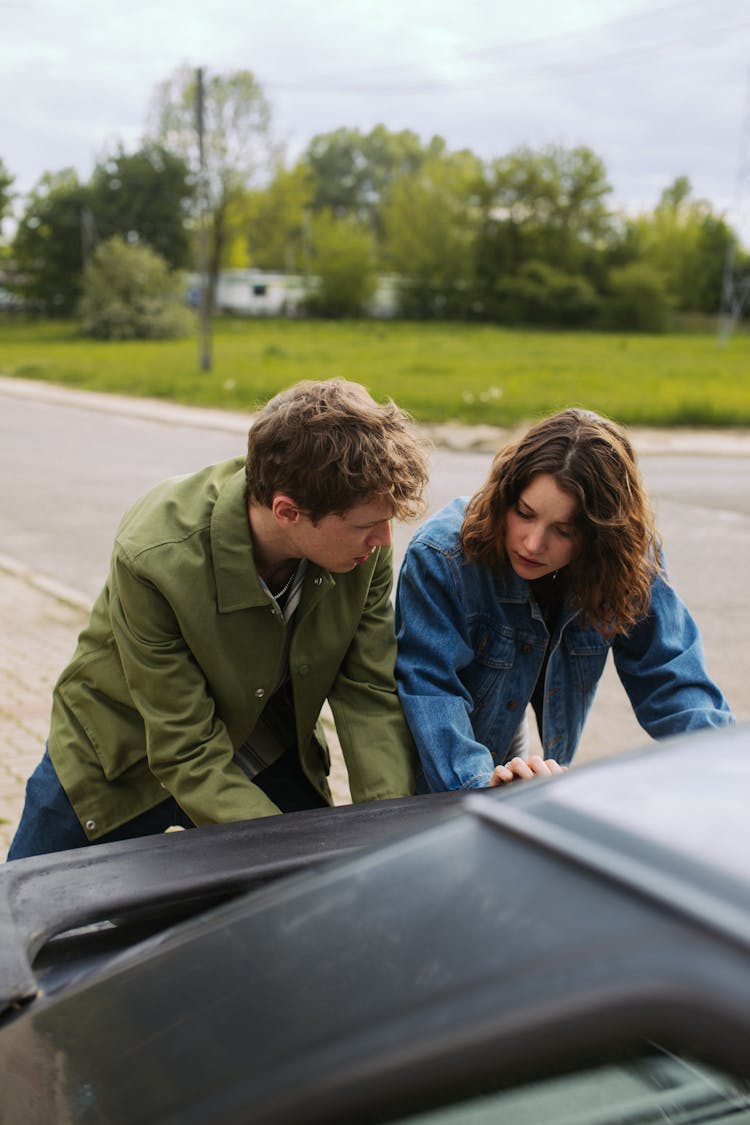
238	600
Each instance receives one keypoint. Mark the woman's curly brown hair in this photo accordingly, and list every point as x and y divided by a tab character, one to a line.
591	459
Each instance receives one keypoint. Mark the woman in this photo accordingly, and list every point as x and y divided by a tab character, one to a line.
518	595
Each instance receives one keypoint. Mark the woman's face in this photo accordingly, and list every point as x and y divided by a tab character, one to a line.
541	532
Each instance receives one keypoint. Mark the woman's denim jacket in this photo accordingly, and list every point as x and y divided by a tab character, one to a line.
471	646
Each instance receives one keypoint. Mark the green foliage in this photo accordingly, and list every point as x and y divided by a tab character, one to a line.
540	294
270	225
343	263
353	172
687	244
237	118
49	244
237	149
544	206
6	195
129	293
430	220
439	372
529	237
637	300
145	196
545	229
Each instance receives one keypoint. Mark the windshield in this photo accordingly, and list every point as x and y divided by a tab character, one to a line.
655	1086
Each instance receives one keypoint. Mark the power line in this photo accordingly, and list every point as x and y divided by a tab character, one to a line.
532	70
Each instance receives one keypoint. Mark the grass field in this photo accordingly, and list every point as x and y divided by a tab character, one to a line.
439	372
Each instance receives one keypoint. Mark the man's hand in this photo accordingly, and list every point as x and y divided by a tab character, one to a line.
520	769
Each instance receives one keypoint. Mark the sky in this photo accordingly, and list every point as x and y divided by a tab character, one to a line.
656	89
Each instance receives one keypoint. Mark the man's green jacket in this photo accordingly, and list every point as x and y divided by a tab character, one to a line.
183	649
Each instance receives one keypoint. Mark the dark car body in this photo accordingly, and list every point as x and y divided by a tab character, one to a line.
575	949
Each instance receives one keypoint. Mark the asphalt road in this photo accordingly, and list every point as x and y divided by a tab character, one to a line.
69	472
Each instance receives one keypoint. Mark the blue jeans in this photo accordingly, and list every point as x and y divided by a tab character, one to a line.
49	823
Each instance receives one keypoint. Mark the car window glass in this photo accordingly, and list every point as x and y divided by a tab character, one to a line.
653	1087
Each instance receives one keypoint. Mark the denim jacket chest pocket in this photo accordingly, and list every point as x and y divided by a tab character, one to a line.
494	653
588	651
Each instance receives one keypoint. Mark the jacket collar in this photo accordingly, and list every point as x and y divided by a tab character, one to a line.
510	588
237	583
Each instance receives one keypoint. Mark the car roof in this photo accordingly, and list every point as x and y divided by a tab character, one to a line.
671	820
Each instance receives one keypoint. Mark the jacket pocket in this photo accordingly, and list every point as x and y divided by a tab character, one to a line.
494	655
588	652
96	696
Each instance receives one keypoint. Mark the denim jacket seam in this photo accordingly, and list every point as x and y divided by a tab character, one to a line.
470	782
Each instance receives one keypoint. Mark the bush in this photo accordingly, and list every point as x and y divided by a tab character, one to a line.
343	262
637	300
130	293
420	299
541	294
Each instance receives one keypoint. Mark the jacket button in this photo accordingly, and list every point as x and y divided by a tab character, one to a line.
260	692
526	648
303	669
512	704
318	581
90	825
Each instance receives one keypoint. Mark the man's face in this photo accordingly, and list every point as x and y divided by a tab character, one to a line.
339	543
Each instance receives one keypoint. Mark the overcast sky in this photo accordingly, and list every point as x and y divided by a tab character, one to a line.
656	89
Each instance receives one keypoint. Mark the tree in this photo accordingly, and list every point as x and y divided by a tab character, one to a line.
51	242
237	149
129	292
637	299
686	243
342	259
6	198
541	294
546	206
6	195
270	226
431	219
353	172
145	196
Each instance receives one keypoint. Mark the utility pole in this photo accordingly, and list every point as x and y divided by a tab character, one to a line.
89	237
204	309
